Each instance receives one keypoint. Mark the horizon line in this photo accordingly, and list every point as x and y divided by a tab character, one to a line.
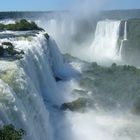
4	11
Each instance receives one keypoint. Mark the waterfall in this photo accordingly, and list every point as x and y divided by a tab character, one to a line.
31	98
124	38
60	69
104	45
125	30
27	86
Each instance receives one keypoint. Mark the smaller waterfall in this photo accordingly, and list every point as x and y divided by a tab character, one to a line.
105	43
125	30
124	38
120	49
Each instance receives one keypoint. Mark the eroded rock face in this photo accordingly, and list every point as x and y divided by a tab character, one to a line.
7	50
131	46
133	29
76	105
136	107
46	36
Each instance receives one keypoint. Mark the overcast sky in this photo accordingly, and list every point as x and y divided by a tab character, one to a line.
45	5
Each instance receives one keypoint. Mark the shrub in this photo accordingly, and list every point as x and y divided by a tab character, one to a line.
22	25
9	132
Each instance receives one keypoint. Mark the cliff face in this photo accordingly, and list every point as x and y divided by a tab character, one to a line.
131	46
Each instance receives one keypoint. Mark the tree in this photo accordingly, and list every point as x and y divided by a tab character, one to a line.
9	132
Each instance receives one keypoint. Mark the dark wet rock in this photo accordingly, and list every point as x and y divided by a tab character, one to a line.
78	105
133	29
58	79
9	52
69	58
46	36
1	50
9	132
121	29
81	93
7	44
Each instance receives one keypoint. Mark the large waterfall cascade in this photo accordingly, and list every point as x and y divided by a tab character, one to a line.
21	100
124	38
28	85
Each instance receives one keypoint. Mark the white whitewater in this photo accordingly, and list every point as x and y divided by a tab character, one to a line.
104	46
28	86
125	30
21	92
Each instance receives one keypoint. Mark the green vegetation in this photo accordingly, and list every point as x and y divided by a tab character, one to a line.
133	29
9	132
79	92
107	88
117	84
22	25
136	108
131	51
108	79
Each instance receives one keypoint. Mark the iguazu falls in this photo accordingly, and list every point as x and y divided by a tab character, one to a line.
70	74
